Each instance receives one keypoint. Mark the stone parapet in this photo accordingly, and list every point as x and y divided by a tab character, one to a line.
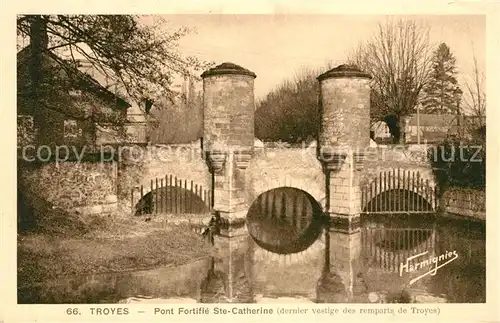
464	202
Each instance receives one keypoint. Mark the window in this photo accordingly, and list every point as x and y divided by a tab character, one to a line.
25	121
71	129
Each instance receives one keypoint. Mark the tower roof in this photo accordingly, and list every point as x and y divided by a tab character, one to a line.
344	71
228	68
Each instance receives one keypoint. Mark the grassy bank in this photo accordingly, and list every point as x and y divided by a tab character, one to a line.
75	245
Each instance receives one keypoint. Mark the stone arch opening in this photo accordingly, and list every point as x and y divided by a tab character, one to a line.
285	220
171	200
399	201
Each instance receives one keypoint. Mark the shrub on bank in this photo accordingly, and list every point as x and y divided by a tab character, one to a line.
460	164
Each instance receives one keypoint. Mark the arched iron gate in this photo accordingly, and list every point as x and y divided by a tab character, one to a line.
171	195
399	192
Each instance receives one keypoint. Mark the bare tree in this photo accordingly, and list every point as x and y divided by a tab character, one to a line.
475	96
289	113
399	59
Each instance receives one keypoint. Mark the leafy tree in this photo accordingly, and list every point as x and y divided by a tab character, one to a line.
141	57
289	113
440	93
398	58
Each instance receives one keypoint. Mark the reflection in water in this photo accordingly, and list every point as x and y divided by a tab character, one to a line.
330	288
284	220
213	287
360	267
387	243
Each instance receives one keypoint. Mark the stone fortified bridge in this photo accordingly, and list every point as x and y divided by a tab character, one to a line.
335	172
293	202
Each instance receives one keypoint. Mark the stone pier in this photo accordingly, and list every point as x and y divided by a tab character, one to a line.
228	127
343	139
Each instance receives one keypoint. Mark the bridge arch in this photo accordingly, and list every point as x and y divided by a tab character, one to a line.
311	186
170	195
291	167
285	220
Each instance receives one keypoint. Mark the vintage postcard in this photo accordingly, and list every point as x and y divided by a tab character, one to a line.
201	164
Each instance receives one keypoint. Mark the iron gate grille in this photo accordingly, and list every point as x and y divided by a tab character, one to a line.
398	191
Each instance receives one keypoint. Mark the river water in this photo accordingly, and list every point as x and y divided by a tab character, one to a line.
372	265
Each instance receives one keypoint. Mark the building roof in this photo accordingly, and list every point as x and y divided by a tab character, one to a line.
92	85
436	127
445	120
433	120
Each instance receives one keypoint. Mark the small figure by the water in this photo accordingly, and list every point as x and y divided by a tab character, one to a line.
213	228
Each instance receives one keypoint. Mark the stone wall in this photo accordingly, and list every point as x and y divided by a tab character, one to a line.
141	164
273	168
464	202
345	193
88	187
345	103
392	157
408	159
228	106
100	185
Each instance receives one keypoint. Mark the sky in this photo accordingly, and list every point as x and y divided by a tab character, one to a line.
277	46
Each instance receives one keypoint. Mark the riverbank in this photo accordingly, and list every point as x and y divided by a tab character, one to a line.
69	246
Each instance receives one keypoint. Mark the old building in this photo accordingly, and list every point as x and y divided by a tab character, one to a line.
68	108
136	119
436	128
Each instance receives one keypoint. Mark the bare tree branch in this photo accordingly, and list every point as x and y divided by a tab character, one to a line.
398	58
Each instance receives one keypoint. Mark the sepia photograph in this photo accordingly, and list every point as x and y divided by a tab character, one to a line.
273	158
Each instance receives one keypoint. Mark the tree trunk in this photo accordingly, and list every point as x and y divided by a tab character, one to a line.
38	44
402	130
396	126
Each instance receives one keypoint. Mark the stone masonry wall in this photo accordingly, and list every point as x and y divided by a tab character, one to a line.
379	160
465	202
345	193
88	187
97	187
229	110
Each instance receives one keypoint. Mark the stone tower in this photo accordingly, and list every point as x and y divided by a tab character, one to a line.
228	102
345	109
228	140
344	136
228	133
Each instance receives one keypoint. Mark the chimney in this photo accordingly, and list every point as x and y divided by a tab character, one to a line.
39	39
